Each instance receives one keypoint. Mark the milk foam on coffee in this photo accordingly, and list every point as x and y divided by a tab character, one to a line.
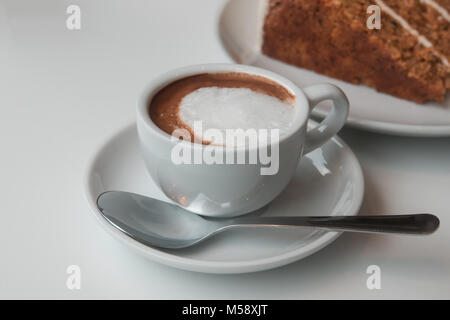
222	102
235	108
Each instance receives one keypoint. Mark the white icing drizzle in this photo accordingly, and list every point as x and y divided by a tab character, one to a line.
444	59
444	13
420	38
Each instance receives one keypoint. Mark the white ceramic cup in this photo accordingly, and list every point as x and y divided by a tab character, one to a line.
220	190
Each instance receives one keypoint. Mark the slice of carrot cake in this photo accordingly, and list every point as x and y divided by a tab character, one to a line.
408	56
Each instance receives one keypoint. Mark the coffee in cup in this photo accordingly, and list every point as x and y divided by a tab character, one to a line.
223	101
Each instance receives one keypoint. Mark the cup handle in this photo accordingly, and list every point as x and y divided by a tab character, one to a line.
333	122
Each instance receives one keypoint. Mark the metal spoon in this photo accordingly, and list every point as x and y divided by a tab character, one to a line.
161	224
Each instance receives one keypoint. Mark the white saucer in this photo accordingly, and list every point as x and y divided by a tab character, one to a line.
239	28
332	184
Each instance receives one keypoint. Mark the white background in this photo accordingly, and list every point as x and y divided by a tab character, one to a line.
63	92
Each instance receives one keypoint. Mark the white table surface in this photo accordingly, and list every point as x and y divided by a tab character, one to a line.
63	92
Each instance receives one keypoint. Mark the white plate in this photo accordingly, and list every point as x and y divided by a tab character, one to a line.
239	28
332	184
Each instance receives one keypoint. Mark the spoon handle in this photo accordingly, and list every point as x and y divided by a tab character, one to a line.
403	224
